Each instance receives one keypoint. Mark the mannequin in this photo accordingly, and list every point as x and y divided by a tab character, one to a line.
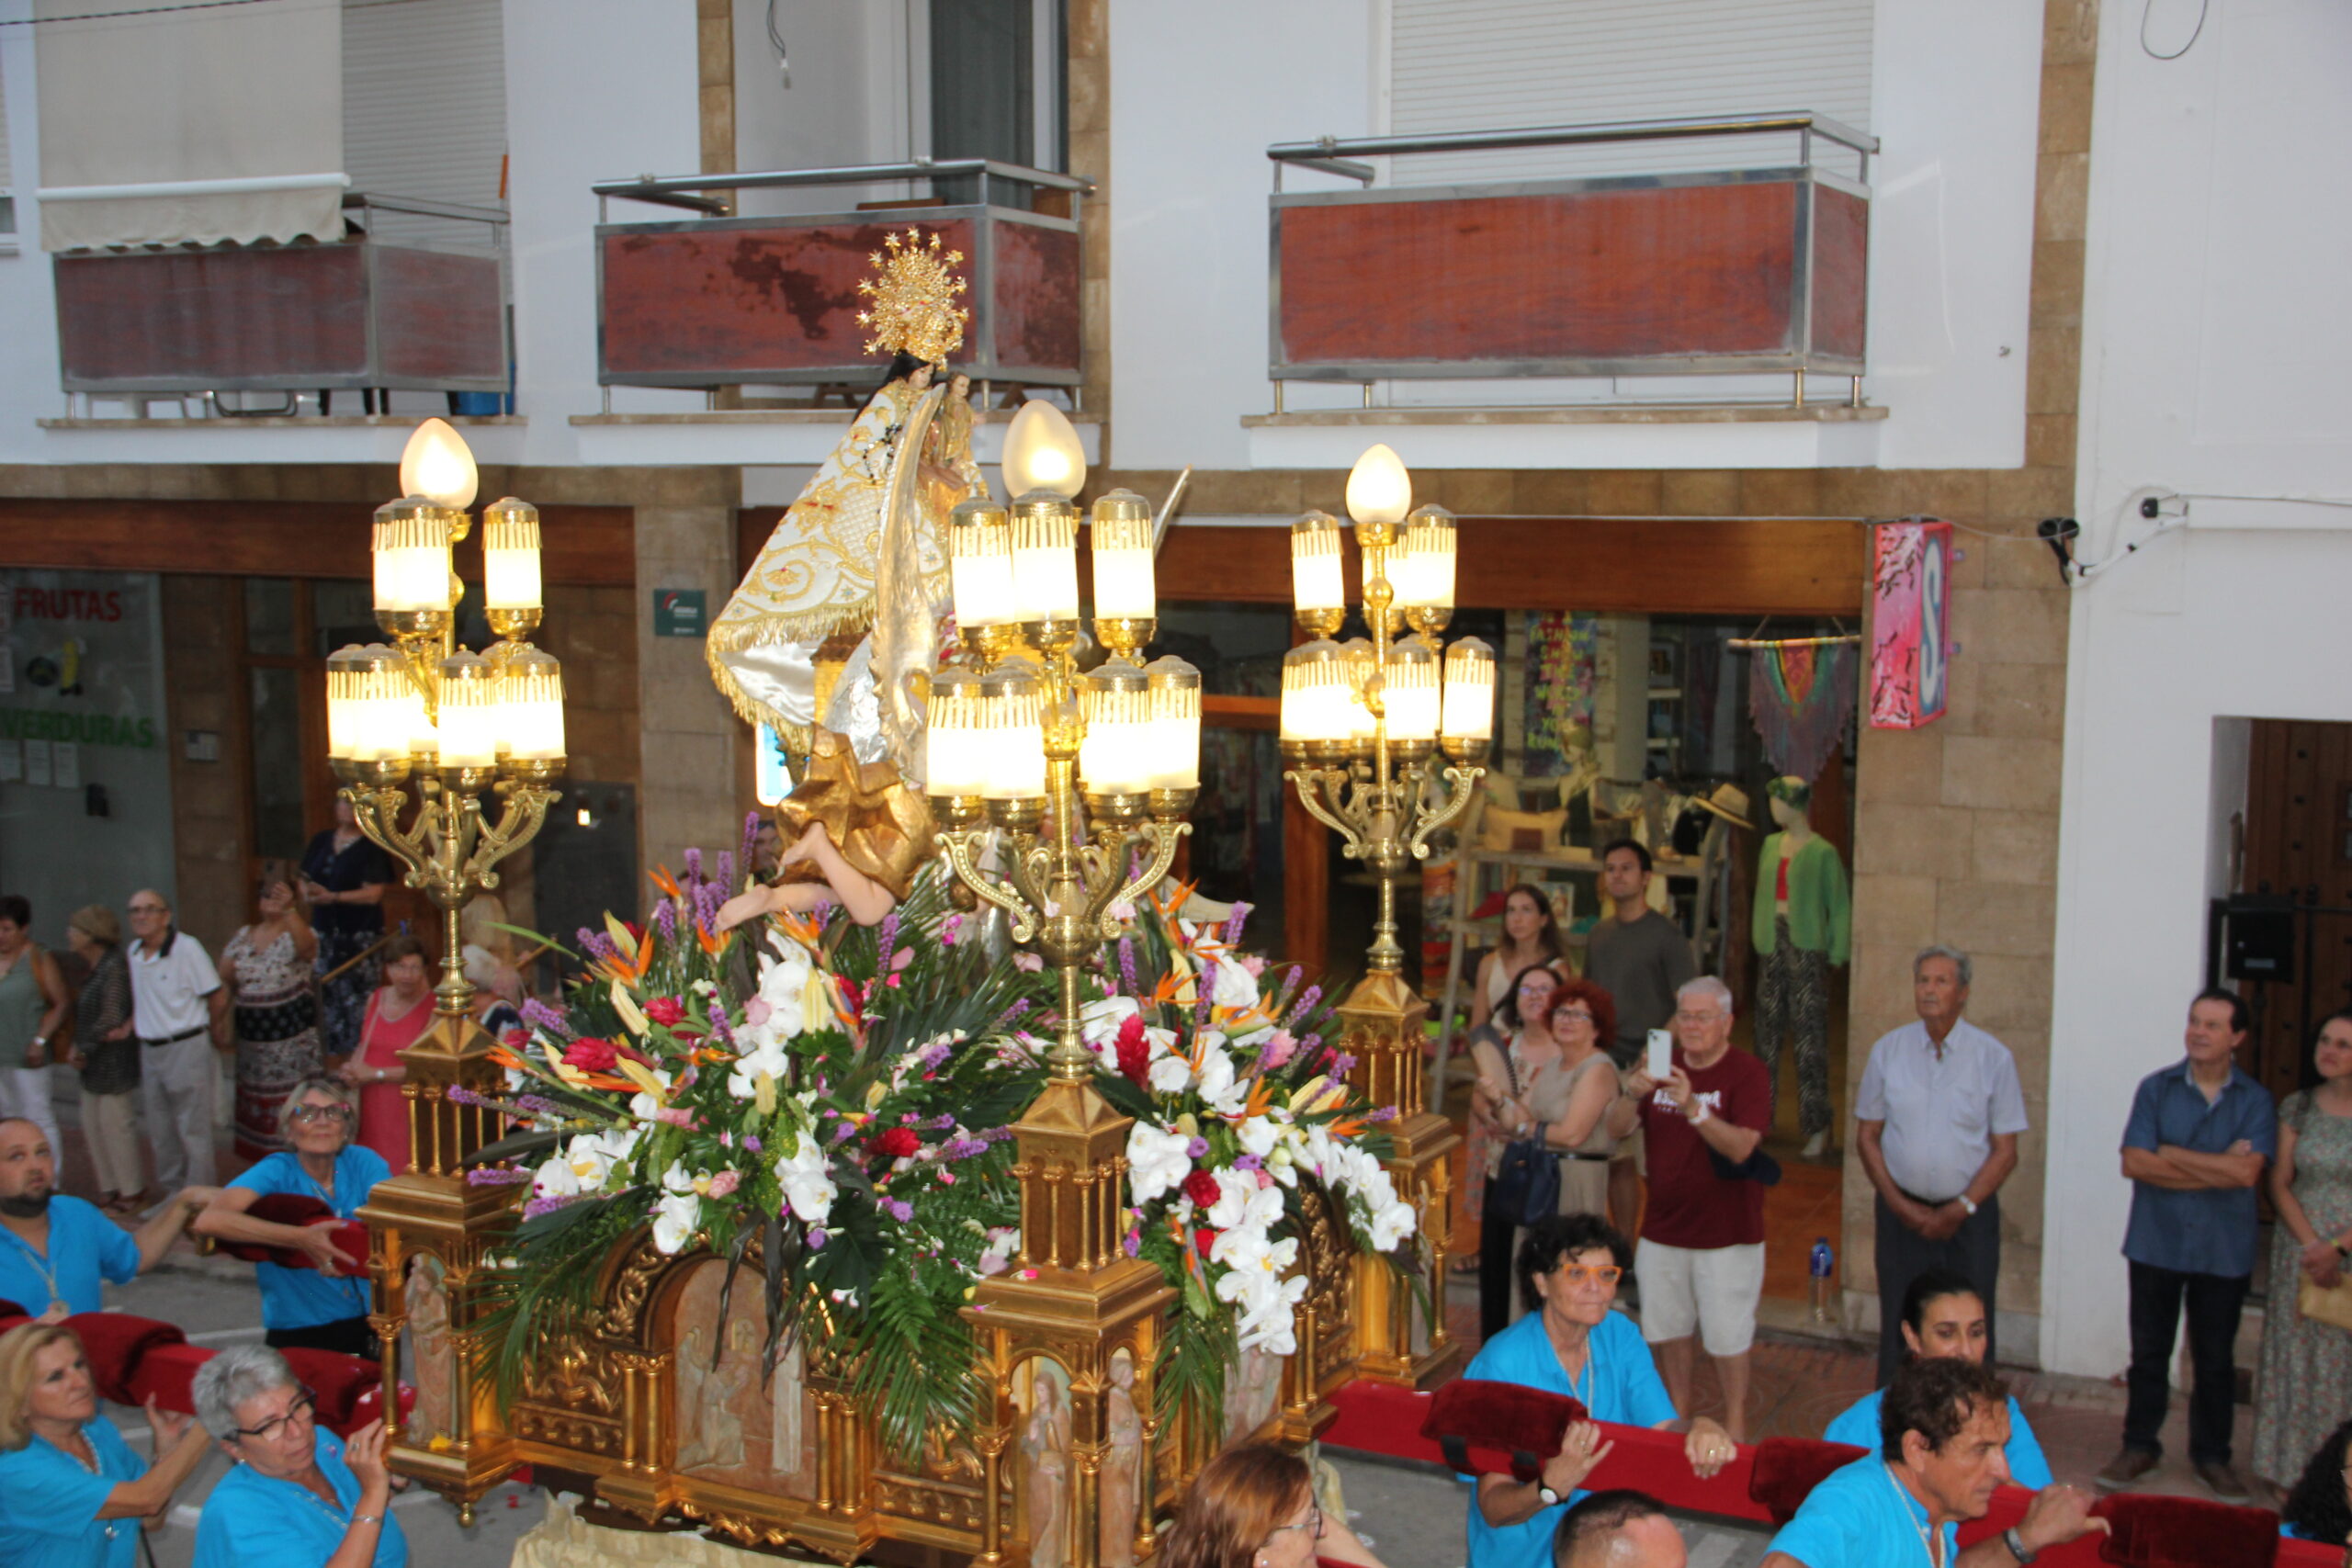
1802	924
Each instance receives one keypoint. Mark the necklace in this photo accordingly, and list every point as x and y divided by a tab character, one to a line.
41	1266
1926	1532
1590	1380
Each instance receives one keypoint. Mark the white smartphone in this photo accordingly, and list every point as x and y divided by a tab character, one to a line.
1661	1054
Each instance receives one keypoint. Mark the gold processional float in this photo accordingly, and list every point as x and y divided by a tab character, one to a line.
1213	1216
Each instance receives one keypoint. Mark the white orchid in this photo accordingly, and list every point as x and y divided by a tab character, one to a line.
1243	1205
677	1211
1234	985
1157	1161
1218	1084
1170	1074
1259	1135
1390	1224
770	1057
808	1188
1099	1021
780	1010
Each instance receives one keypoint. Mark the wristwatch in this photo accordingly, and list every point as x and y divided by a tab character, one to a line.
2016	1543
1545	1496
1965	1201
1698	1113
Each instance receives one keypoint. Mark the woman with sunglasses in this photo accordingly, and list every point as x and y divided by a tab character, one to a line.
72	1492
1573	1342
324	1306
298	1498
1254	1507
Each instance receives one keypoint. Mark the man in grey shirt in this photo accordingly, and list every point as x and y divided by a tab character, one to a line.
1938	1119
1640	959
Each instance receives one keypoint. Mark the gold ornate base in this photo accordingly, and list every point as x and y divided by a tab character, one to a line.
1398	1340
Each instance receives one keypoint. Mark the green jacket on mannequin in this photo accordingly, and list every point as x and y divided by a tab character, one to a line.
1821	917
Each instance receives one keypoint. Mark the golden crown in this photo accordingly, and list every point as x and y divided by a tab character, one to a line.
914	300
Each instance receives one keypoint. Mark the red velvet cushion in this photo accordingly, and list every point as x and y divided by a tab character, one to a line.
115	1344
164	1374
337	1380
1788	1468
2185	1532
10	1309
297	1209
369	1406
1498	1428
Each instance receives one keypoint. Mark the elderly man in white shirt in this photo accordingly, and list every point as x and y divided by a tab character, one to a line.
178	1010
1937	1120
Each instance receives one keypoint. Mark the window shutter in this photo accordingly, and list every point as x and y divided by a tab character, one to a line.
424	106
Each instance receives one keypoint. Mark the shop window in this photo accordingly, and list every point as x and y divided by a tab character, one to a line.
269	616
279	812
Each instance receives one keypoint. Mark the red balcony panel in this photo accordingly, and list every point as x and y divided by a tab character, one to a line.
439	315
716	301
1705	273
1037	298
358	313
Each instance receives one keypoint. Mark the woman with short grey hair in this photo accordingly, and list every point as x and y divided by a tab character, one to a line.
298	1498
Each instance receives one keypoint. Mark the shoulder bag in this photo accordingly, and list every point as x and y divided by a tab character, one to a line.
1527	1183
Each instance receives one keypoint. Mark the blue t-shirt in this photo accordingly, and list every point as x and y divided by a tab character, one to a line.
303	1298
2211	1230
1620	1383
49	1504
2028	1467
1860	1517
85	1246
252	1521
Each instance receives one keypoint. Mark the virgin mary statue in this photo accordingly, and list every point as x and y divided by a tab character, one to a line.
832	637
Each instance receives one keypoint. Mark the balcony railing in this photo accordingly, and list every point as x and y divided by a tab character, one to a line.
719	300
364	312
1716	272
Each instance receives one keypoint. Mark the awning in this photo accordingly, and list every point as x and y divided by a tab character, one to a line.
190	126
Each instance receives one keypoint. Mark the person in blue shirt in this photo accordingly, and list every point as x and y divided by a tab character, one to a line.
1943	1315
324	1308
1942	1427
1572	1341
298	1498
2319	1507
54	1249
72	1492
2194	1150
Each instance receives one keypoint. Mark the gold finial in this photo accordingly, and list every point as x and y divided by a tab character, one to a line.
913	296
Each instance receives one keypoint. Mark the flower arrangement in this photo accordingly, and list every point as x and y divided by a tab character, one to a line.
1239	1105
834	1095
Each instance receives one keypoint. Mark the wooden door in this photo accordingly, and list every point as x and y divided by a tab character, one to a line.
2298	844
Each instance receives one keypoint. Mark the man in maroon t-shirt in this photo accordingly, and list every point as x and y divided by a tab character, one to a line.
1701	1257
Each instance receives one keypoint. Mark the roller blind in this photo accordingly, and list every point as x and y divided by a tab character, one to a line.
175	126
425	103
1484	64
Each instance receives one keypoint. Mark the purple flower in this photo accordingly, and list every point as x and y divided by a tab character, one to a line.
885	940
709	897
1290	984
665	920
751	1142
1132	1244
1196	1148
841	1132
1015	1010
1248	1162
941	1123
750	836
719	1030
598	945
1206	986
694	864
930	1057
457	1094
957	1149
899	1209
1341	1064
492	1176
538	1015
725	880
1306	1001
1234	921
537	1206
947	930
817	1239
1128	967
1385	1113
536	1105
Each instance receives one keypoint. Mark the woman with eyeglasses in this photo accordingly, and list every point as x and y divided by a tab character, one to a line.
72	1492
298	1498
324	1306
1253	1507
1572	1341
267	968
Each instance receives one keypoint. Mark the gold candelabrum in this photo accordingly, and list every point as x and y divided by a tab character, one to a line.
1362	723
479	738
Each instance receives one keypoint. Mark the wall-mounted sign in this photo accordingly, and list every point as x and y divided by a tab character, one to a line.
1910	623
679	611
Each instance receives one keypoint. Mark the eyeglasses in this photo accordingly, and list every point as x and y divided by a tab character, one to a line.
1590	1274
304	1407
1312	1524
320	1113
1582	1015
148	908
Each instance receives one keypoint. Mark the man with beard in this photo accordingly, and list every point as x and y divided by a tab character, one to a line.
54	1248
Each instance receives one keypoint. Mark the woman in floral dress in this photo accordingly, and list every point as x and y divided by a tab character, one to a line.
267	968
2303	1385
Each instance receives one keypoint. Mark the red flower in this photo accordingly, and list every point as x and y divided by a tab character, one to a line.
665	1011
897	1143
1204	1239
591	1056
1135	1051
1201	1188
517	1040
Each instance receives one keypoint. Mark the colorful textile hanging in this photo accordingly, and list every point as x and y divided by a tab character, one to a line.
1911	630
1561	672
1801	696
